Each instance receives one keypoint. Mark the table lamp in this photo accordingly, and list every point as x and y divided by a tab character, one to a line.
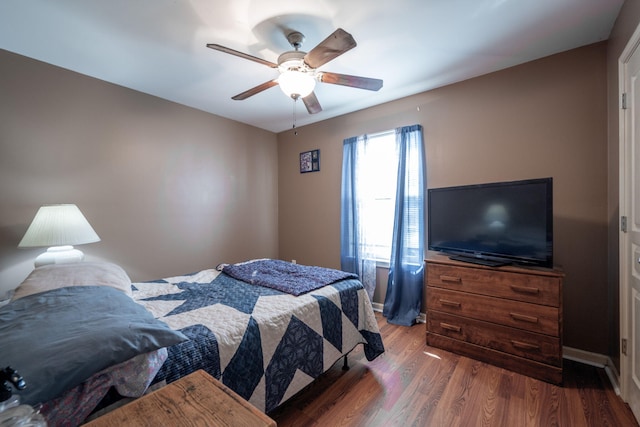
59	227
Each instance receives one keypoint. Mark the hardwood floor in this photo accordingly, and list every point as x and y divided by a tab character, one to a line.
412	384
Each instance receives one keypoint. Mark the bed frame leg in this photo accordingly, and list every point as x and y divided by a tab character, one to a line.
345	366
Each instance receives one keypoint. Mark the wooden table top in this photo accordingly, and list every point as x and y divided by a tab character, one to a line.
195	400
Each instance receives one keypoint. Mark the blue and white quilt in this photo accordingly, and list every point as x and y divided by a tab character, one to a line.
264	344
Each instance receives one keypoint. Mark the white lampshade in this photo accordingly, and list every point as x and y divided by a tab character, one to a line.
61	227
296	84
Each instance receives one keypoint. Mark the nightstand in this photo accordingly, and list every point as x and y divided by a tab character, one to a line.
195	400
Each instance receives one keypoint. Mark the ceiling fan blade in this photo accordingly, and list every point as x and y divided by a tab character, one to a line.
255	90
242	55
312	104
352	81
333	46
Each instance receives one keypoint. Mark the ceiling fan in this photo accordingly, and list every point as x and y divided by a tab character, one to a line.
299	70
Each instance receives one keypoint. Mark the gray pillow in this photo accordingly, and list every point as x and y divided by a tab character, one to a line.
59	338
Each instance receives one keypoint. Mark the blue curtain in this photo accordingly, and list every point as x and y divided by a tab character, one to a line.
352	238
406	272
349	252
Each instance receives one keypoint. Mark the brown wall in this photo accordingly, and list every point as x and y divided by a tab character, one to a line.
169	189
543	118
153	177
628	20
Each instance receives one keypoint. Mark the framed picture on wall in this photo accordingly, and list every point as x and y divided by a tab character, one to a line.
310	161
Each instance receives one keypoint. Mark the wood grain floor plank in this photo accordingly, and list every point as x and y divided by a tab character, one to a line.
493	405
623	414
512	391
573	408
413	384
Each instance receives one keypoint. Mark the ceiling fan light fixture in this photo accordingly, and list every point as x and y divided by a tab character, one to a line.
296	84
299	70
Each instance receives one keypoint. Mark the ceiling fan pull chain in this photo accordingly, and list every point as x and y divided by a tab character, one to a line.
295	132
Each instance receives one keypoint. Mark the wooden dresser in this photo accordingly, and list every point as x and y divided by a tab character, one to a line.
507	316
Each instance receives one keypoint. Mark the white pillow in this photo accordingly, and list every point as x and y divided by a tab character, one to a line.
56	276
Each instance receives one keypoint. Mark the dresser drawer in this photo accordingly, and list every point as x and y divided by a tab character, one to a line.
530	345
536	289
536	318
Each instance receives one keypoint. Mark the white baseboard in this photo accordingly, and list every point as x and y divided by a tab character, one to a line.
597	360
613	375
587	357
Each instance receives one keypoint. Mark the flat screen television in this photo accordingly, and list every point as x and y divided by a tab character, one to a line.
493	224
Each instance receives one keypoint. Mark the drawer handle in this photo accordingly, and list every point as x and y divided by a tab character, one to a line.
525	289
450	303
454	279
524	345
450	327
524	317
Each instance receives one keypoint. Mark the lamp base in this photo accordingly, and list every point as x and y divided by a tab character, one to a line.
59	255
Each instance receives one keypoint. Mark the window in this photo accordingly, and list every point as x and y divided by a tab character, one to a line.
377	190
378	225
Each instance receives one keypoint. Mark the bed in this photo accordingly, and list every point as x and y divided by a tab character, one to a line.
264	334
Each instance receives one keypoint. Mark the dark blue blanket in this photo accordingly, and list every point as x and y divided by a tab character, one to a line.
59	338
294	279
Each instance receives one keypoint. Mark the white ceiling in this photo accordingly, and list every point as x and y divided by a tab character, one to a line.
158	46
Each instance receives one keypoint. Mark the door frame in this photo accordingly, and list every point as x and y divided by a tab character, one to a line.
624	245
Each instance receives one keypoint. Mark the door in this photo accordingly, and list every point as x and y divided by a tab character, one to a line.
630	208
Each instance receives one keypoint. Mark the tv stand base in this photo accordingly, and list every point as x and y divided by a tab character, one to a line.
480	261
508	316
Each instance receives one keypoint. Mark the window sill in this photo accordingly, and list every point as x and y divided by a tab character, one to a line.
382	264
